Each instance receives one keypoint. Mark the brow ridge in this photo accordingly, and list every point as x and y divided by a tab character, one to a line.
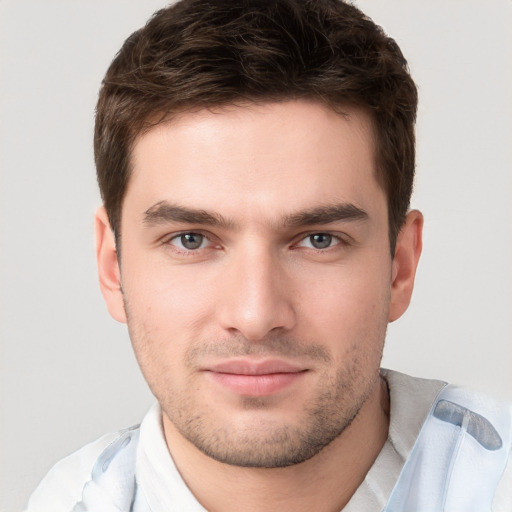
163	212
326	215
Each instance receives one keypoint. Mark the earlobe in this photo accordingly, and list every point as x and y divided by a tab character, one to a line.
405	262
108	266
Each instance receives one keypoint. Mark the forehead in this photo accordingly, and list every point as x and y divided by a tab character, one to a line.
280	156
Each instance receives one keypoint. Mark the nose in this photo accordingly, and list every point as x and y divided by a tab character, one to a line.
256	294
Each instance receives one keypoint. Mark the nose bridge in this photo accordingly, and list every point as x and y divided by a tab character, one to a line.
257	295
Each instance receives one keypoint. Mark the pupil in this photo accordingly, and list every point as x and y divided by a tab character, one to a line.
192	240
321	240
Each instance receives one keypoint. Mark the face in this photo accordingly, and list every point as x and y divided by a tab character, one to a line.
255	276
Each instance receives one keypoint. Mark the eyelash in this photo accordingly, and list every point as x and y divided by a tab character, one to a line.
185	251
336	239
339	241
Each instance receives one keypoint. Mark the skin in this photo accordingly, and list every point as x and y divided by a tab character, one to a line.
291	266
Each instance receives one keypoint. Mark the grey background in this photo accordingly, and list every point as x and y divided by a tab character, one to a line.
67	372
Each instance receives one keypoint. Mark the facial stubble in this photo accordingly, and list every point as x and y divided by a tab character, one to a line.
275	445
266	442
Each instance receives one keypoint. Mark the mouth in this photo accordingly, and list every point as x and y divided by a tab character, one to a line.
255	378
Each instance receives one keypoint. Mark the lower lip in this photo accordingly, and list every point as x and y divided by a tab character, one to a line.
256	385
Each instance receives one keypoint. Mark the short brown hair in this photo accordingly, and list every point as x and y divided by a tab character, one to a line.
200	53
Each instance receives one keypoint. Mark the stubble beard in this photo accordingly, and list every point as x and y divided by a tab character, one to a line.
275	445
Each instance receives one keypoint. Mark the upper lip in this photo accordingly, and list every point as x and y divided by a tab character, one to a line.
247	367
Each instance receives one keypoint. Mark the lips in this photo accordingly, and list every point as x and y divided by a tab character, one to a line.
255	378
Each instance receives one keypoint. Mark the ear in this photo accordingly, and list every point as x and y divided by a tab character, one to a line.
108	266
405	262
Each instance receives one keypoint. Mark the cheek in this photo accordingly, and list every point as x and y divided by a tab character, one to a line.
165	311
169	300
347	305
158	339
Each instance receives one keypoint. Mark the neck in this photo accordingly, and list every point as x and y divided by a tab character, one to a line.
324	483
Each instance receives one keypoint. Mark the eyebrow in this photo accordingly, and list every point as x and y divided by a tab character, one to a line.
165	212
326	215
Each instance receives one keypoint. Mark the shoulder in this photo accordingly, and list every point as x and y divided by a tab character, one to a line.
461	454
483	455
62	488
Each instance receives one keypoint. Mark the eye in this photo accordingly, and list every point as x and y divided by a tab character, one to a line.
189	241
319	241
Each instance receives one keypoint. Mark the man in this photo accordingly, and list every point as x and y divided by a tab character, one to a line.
256	162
